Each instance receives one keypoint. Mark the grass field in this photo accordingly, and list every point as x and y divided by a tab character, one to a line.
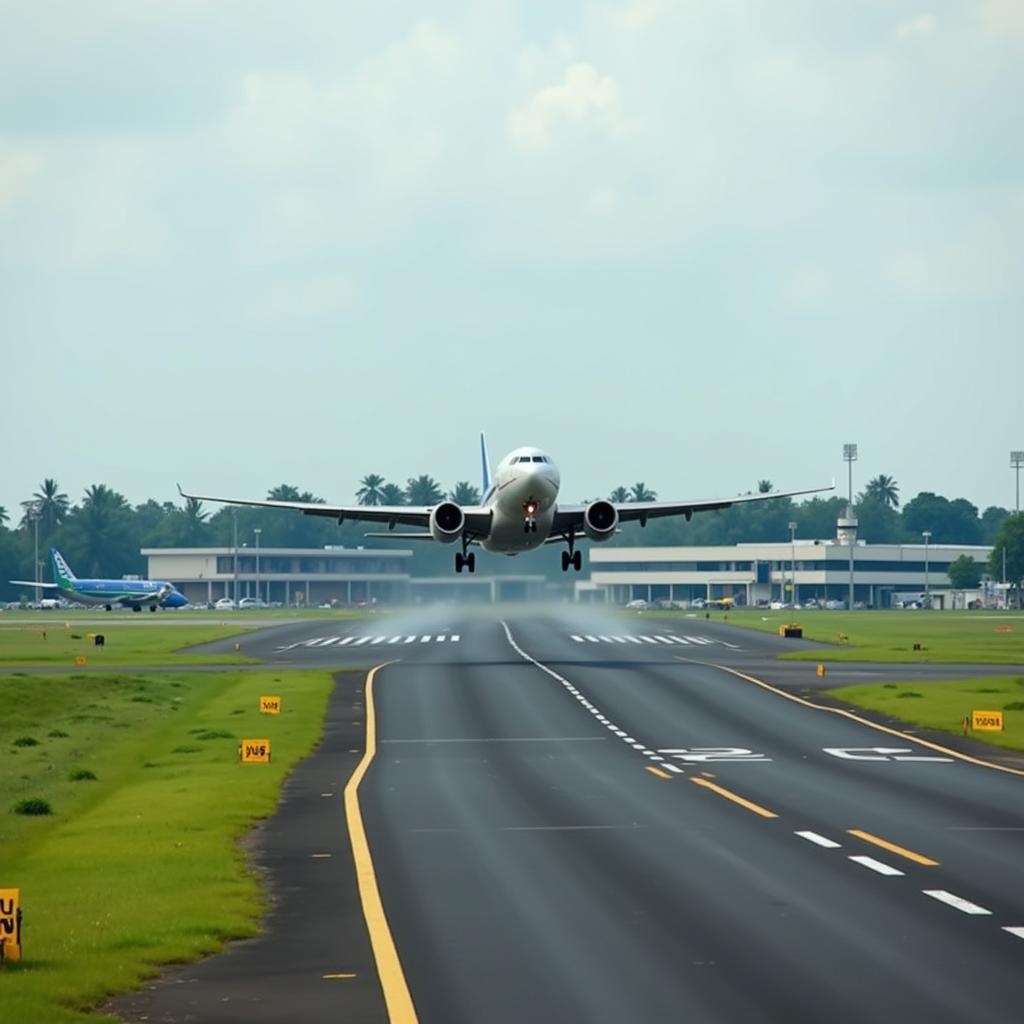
60	641
943	705
968	637
141	865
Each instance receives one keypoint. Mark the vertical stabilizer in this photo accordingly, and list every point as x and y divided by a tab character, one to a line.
62	573
485	467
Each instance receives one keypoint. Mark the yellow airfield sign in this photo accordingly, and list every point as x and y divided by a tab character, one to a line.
270	705
10	925
987	721
255	751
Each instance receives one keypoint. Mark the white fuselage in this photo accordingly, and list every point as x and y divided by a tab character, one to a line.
524	487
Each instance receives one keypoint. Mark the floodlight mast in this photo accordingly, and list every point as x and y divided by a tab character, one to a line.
1016	461
850	457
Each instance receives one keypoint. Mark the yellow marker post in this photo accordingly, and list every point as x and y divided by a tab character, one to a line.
821	671
270	705
80	659
987	721
10	924
255	751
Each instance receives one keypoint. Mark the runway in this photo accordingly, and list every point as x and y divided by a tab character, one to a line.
567	829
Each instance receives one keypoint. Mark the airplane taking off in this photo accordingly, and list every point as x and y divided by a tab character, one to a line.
519	512
127	593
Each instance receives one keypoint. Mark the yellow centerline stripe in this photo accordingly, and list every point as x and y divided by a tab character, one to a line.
857	718
657	771
389	967
893	848
729	795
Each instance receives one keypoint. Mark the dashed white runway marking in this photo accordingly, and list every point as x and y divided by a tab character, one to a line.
320	642
1015	930
876	865
813	837
965	906
670	639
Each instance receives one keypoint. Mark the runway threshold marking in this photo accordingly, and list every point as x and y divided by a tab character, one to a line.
389	968
902	851
854	717
734	797
657	771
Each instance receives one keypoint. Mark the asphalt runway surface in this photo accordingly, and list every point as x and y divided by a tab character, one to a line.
580	817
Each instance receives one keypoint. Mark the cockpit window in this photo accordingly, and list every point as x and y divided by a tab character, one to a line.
538	458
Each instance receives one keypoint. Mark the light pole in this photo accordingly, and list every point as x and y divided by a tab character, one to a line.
792	561
234	521
927	592
1016	461
34	514
850	457
257	531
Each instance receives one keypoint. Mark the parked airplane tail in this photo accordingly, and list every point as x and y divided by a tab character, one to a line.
486	467
61	570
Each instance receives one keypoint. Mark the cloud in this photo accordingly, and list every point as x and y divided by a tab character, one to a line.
584	101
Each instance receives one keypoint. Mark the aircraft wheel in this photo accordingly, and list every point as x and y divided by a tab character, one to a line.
136	608
565	561
459	560
471	561
152	607
107	606
577	560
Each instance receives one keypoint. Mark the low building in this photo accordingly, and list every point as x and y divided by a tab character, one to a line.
755	574
308	576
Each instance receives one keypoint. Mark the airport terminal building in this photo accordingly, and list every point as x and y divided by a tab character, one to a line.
310	577
884	575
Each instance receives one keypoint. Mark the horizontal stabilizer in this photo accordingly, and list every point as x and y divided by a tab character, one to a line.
32	583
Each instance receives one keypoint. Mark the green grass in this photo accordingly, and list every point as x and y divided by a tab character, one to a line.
943	705
54	643
948	637
142	865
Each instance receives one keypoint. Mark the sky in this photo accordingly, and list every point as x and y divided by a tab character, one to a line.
695	244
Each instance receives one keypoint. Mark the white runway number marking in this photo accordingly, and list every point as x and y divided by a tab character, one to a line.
883	754
718	755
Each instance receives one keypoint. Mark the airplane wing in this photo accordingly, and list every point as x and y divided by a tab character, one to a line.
478	520
570	517
32	583
399	535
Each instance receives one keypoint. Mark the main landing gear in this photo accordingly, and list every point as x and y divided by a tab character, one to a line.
572	556
464	559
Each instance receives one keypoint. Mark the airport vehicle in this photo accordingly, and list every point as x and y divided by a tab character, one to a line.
721	603
134	594
225	604
251	602
519	512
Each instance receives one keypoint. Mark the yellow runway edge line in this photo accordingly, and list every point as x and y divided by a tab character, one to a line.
918	858
729	795
657	771
389	967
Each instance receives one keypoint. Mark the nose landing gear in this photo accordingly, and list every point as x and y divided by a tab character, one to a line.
529	516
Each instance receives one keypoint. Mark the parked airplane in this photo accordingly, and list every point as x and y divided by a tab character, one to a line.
519	512
126	593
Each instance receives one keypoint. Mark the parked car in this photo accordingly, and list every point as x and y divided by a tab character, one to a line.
251	602
638	605
225	604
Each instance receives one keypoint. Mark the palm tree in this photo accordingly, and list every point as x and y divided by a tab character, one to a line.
885	489
765	487
101	532
283	492
51	504
641	492
620	494
369	492
464	493
4	517
392	494
423	490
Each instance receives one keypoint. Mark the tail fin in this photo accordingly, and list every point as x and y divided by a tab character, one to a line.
485	466
61	570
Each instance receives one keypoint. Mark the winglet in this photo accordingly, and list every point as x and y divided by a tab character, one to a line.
180	491
485	466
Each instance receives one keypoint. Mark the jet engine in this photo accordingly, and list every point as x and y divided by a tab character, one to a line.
447	522
600	520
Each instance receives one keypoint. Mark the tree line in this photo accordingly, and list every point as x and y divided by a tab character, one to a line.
102	533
